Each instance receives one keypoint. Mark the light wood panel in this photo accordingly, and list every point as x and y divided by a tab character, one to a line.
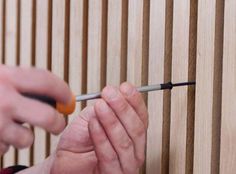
41	61
155	99
11	57
116	58
96	59
26	7
135	46
204	76
180	59
76	73
58	48
228	128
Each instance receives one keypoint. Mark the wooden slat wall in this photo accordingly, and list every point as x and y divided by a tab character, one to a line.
93	43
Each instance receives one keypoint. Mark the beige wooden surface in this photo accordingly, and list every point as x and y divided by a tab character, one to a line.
180	59
41	61
93	43
95	61
10	57
25	39
228	150
156	99
58	61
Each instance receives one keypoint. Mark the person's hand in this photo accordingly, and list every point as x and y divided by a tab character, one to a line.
15	110
106	138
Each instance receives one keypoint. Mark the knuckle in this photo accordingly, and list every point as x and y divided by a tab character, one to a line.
25	141
125	145
109	157
139	131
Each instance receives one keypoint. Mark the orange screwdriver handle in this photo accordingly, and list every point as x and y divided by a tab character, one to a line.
65	109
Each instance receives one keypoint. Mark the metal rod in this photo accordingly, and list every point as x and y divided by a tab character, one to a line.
141	89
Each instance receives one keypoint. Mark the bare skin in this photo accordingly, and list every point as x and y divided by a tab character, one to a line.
107	137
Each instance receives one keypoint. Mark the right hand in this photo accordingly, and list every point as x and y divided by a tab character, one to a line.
15	109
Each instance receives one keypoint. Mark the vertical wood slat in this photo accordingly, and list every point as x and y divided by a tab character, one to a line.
58	52
95	59
76	49
10	57
228	150
155	99
41	61
25	57
178	128
205	92
115	61
135	33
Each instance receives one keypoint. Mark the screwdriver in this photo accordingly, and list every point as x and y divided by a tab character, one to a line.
67	109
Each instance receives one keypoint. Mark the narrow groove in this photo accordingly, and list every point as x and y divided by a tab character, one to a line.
50	7
167	93
18	39
67	44
124	41
217	90
3	46
3	16
145	54
33	53
84	50
104	43
191	89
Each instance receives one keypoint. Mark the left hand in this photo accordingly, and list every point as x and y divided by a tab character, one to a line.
106	138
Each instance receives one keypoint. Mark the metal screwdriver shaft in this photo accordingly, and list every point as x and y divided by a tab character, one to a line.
140	89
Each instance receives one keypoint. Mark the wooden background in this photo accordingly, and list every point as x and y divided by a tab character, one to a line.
91	43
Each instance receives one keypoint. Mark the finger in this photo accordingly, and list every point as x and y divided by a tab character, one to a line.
18	136
3	148
36	81
107	157
129	118
118	136
38	114
135	99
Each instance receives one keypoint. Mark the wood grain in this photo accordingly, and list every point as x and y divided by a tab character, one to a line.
58	51
228	150
116	61
204	87
180	59
41	61
135	33
26	7
11	57
96	59
155	99
76	50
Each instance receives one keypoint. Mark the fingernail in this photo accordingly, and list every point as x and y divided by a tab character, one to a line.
127	89
110	92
